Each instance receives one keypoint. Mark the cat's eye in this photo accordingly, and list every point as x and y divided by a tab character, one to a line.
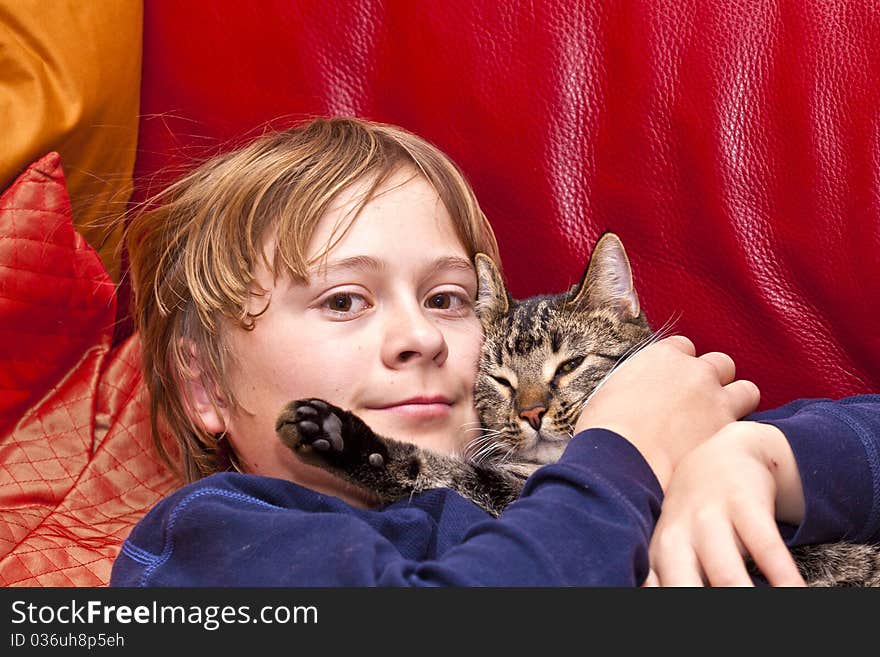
569	365
502	381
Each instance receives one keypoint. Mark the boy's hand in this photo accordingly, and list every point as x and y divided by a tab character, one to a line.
666	401
722	503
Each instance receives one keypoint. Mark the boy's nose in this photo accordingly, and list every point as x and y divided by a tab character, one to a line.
411	337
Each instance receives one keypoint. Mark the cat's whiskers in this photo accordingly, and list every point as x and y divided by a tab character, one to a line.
485	434
484	429
483	447
511	450
667	328
486	454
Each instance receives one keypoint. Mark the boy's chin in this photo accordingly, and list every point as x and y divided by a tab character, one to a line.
436	434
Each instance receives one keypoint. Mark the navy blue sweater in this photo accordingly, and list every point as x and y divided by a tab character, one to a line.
583	521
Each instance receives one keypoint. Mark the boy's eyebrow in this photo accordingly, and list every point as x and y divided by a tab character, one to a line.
451	262
368	263
354	262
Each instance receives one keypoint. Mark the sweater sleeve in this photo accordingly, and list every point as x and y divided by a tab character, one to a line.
585	520
836	444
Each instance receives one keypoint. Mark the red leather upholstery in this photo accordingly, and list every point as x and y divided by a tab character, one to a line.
734	146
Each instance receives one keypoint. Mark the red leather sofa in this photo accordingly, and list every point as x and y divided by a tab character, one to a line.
733	146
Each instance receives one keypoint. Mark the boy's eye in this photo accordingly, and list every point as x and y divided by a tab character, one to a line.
441	301
452	301
340	302
345	303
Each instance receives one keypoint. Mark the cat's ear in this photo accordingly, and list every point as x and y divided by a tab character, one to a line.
608	280
492	296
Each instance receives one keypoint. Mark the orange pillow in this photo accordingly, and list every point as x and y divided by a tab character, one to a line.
70	82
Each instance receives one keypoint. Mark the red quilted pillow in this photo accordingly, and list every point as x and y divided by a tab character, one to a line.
76	465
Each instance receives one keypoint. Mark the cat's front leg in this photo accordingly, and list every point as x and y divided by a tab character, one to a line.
338	441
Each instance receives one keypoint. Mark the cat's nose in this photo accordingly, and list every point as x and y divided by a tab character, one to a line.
533	415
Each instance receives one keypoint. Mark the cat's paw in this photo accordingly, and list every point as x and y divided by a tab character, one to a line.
321	433
307	424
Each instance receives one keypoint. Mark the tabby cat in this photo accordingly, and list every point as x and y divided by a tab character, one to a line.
541	359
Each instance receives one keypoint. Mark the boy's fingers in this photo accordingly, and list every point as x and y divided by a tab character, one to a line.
722	560
769	552
681	343
677	567
743	397
723	364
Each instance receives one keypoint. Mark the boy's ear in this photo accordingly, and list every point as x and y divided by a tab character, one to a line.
608	280
492	296
205	402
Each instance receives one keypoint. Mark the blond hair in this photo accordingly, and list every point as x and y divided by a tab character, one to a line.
194	248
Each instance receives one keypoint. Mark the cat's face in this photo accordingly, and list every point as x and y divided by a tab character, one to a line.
543	356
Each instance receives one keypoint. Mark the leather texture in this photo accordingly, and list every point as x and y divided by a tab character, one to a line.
76	466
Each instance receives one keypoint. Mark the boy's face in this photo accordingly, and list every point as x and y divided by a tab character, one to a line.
386	330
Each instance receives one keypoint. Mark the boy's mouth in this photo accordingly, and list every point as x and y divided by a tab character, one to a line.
426	406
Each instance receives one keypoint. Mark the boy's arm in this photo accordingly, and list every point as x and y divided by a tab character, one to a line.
836	447
812	465
583	521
